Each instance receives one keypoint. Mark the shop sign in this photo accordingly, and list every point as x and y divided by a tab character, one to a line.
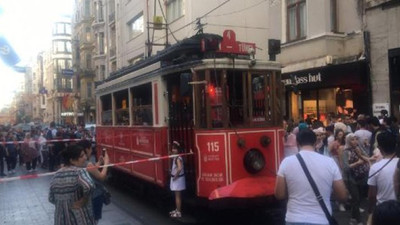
71	114
67	72
377	107
303	79
328	76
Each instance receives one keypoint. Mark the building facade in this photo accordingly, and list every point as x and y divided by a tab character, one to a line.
60	79
84	44
325	65
382	22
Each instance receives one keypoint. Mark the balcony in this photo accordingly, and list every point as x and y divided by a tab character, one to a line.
111	18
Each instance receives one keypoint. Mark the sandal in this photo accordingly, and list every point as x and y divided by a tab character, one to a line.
177	214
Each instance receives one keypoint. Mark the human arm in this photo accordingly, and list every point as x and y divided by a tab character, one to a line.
95	172
396	180
372	192
339	190
179	168
281	188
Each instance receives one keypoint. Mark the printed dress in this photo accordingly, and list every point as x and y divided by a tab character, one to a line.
178	184
69	185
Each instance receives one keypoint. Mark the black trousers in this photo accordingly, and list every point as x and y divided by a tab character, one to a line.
32	164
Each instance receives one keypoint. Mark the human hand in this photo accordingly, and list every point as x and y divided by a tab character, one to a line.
106	159
80	203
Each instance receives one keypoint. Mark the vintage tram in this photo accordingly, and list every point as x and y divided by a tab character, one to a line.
208	93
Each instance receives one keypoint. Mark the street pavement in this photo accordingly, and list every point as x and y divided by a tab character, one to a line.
25	202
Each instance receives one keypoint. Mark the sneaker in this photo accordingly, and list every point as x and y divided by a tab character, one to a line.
362	210
342	208
177	214
172	212
29	171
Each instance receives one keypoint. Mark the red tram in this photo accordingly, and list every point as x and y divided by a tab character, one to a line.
208	93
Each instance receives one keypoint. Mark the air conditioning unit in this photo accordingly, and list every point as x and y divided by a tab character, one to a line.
328	59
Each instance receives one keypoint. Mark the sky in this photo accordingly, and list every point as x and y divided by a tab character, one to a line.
27	25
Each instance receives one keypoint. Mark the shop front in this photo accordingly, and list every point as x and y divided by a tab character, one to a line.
341	89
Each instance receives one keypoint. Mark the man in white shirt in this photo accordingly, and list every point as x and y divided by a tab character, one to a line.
380	181
292	183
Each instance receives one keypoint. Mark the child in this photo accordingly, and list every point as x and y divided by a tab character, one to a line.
177	180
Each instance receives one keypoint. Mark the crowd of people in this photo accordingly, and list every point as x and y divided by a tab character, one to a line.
32	149
353	158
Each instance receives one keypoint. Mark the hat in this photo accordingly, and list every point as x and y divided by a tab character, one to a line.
302	126
319	130
341	126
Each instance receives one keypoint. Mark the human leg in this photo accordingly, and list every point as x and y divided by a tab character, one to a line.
34	163
28	166
97	203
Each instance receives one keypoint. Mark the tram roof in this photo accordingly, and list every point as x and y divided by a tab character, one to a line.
183	55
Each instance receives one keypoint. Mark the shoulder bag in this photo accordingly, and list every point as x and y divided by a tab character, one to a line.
331	219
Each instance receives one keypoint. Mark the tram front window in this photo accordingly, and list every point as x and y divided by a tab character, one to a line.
235	80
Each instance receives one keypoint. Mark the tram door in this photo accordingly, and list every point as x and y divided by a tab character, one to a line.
180	123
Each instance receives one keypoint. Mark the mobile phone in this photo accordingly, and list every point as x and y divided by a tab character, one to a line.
104	152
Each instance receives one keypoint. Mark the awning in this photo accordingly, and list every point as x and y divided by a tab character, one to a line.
246	188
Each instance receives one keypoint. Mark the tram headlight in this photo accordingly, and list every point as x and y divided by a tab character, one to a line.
254	161
265	141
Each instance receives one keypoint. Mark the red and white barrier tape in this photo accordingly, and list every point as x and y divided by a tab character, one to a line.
40	142
32	176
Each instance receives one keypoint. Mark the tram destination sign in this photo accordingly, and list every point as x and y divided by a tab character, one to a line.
230	45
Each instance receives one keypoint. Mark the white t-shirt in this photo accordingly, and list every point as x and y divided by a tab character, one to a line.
383	180
303	205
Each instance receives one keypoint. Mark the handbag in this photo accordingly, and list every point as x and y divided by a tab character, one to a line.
331	219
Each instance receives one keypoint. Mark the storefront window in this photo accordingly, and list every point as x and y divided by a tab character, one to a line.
317	104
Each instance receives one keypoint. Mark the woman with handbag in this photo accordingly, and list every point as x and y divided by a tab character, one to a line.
355	173
98	196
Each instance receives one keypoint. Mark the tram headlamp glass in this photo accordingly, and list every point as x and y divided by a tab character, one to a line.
254	161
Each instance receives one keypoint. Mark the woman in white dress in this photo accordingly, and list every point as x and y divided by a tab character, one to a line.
177	183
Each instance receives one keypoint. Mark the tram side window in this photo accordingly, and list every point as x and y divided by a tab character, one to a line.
235	82
142	105
106	115
121	108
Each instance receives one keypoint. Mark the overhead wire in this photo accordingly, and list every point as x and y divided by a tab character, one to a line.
188	24
238	11
166	22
